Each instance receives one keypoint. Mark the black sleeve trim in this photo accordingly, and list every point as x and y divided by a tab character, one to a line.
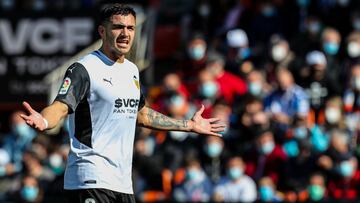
75	87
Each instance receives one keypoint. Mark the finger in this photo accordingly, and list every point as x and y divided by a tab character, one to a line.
212	120
215	134
218	130
198	113
28	107
30	122
25	117
218	125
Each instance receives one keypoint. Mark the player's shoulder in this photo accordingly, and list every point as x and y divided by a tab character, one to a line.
131	64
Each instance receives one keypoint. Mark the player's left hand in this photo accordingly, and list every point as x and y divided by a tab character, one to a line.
209	126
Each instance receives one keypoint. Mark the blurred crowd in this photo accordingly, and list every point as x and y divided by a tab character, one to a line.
285	78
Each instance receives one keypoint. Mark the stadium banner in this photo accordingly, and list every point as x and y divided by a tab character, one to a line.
32	45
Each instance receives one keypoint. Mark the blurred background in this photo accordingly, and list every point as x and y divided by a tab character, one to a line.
284	75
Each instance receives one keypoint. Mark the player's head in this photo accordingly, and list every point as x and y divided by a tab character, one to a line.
117	28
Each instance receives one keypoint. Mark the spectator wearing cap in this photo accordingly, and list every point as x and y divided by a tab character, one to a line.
236	186
266	158
318	84
230	85
240	56
287	101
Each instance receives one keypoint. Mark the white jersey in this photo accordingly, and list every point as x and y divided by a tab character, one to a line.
103	97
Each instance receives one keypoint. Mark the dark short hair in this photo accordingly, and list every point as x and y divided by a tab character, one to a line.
115	9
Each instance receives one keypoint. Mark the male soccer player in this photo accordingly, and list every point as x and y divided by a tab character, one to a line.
101	94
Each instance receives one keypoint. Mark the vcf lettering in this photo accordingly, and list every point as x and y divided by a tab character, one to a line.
66	35
133	103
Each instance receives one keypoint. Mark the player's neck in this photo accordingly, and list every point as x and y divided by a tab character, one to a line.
112	55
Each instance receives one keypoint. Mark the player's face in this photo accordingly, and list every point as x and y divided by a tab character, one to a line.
119	33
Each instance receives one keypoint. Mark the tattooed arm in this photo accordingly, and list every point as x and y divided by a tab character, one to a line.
149	118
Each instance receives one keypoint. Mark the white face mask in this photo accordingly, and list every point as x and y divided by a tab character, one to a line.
278	53
332	115
353	49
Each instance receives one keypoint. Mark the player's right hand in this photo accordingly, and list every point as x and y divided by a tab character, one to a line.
34	119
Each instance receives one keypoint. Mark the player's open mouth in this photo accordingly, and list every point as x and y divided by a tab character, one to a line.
122	42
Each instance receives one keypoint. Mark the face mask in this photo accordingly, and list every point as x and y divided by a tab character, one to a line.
56	164
356	24
303	3
316	192
178	135
278	53
331	48
244	53
8	4
314	27
266	193
255	88
39	5
268	11
197	52
29	193
332	115
209	89
353	49
346	169
194	175
23	130
213	150
291	148
268	147
204	10
300	133
235	173
177	101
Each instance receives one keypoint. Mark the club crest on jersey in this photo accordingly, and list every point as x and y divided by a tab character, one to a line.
136	81
65	86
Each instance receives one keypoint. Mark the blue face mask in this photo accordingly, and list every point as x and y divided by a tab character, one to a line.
255	88
197	52
244	53
194	175
209	89
331	48
267	148
300	133
235	173
346	169
23	130
266	193
29	193
213	150
291	148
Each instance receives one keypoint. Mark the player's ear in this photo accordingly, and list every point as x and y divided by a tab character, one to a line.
101	30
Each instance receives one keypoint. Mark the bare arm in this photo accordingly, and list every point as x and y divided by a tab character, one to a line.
52	115
149	118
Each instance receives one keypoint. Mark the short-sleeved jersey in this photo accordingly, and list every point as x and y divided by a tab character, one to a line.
103	97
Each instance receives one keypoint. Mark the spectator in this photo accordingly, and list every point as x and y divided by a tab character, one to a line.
214	154
230	85
237	187
257	84
17	142
196	187
267	191
266	159
351	99
316	189
287	101
30	191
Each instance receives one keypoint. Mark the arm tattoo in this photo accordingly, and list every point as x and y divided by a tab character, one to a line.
162	122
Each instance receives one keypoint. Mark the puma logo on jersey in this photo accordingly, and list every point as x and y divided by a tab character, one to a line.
109	81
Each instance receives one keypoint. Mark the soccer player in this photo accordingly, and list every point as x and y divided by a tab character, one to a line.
101	94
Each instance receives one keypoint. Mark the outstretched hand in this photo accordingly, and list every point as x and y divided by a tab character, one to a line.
209	126
34	119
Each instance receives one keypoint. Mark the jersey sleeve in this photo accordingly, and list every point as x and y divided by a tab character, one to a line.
75	86
142	100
